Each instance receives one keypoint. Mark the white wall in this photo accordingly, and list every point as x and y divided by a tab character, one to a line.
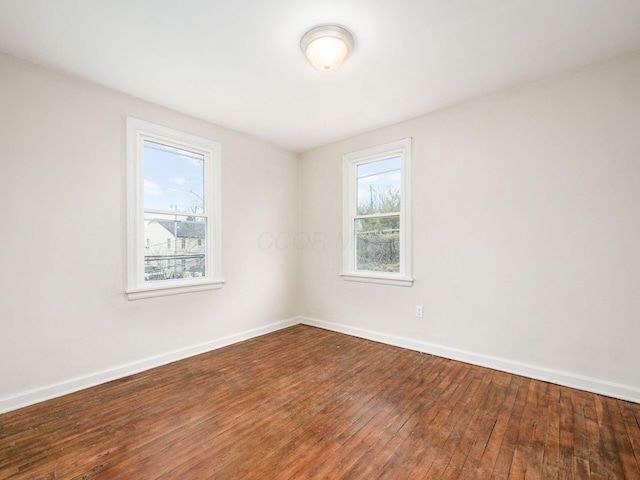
526	232
526	236
63	312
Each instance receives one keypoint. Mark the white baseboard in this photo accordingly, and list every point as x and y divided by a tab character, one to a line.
567	379
29	397
589	384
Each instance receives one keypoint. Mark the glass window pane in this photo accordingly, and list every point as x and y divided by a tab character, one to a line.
379	186
378	244
173	179
174	247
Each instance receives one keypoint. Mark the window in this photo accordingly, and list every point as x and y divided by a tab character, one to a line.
377	220
173	190
183	243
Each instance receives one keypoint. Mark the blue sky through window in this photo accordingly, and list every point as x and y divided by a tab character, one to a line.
173	179
378	177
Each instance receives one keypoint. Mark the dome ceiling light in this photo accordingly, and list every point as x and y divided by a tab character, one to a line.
327	46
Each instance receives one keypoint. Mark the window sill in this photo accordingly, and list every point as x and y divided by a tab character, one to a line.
172	288
379	279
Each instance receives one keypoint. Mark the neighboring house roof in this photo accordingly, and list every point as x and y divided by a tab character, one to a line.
183	229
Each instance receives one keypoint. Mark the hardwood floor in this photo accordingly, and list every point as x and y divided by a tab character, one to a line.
309	403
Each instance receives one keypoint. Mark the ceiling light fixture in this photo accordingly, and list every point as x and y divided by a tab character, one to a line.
327	46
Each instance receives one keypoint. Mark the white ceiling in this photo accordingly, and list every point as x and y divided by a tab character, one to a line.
237	63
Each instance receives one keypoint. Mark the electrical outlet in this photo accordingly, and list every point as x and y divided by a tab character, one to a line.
419	311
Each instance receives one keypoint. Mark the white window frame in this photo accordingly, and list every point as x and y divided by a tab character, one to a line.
137	132
350	161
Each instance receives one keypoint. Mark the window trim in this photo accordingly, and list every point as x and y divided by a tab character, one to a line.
350	162
137	288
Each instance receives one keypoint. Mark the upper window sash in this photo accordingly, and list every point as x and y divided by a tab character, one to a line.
137	132
352	212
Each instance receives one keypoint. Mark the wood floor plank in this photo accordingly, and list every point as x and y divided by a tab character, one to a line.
450	427
245	423
632	427
389	440
309	403
400	395
608	448
623	443
506	454
484	468
416	452
477	437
